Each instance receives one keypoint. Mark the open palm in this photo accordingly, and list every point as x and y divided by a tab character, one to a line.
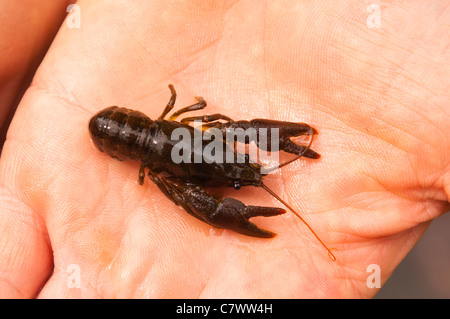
377	96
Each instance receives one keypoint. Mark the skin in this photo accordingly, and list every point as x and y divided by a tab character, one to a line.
27	29
378	98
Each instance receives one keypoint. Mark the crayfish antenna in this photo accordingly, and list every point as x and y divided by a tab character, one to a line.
330	253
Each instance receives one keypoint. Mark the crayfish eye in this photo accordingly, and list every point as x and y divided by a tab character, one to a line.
237	185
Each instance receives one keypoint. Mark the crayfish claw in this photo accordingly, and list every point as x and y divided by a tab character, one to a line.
225	213
233	214
253	211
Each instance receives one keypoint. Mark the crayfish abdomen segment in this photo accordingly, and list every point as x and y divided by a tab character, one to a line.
122	133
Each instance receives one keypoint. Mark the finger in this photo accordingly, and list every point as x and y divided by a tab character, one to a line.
25	253
35	24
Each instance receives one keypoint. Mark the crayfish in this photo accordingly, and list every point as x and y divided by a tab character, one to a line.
126	134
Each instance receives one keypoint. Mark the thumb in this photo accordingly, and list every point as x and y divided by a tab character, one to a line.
25	253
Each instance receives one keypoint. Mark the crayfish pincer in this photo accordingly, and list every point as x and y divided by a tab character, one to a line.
126	134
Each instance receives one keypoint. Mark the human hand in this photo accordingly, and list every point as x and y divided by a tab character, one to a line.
376	96
28	27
